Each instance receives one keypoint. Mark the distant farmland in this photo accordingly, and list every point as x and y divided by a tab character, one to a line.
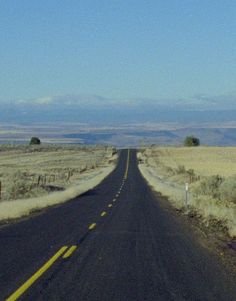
120	135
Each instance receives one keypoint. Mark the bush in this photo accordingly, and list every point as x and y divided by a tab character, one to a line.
211	186
228	189
35	141
17	186
170	170
180	169
191	175
191	141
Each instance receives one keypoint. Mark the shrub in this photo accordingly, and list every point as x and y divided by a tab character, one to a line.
228	189
211	186
18	186
191	141
35	141
191	174
170	170
180	169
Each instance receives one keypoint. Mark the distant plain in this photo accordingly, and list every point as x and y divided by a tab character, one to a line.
120	134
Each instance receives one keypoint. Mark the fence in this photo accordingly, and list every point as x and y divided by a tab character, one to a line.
36	181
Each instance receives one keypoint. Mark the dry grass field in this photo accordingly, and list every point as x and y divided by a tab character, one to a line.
205	161
34	177
209	171
27	171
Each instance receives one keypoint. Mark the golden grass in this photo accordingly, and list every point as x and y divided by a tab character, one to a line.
20	165
18	208
55	162
206	161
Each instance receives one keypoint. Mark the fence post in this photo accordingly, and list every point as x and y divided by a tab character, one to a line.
39	180
69	175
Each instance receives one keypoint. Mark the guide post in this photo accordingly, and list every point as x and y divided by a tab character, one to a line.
186	195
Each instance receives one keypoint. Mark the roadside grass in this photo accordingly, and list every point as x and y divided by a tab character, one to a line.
18	208
28	171
34	177
210	172
206	161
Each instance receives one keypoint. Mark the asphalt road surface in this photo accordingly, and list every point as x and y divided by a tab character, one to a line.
116	242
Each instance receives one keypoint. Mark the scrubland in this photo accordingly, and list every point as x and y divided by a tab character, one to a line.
210	173
33	177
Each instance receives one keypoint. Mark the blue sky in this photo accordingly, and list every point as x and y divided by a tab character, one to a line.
117	49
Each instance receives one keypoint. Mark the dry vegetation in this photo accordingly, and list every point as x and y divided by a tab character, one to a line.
33	177
206	161
210	172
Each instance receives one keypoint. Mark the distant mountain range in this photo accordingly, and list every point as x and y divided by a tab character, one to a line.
99	110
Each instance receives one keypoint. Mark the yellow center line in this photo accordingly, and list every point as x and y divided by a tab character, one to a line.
127	165
103	213
69	252
92	226
110	205
35	277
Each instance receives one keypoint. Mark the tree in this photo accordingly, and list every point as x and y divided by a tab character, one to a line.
191	141
35	141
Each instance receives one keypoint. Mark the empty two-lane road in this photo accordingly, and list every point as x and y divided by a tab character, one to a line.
115	242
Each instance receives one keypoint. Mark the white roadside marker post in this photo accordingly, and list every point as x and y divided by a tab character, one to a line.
186	196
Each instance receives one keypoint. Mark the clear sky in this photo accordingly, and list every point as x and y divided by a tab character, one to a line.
117	48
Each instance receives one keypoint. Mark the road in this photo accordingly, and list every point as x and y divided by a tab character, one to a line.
115	242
